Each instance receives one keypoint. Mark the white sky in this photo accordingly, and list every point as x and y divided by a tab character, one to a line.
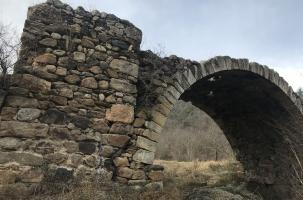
269	32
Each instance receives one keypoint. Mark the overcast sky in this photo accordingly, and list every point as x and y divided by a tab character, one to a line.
269	32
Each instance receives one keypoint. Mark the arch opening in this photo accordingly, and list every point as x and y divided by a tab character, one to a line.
261	123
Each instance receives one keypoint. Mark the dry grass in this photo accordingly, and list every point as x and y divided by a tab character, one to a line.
180	177
210	173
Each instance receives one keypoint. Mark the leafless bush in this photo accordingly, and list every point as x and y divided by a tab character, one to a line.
190	134
9	48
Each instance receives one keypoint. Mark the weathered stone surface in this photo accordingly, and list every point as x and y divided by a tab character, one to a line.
144	156
87	43
146	144
120	128
62	101
73	79
107	151
139	122
56	36
151	135
24	158
139	175
156	186
122	86
79	57
8	113
7	177
18	101
120	113
87	147
3	94
65	92
100	48
45	147
121	162
48	42
81	122
54	116
59	52
156	175
10	143
28	114
91	161
100	125
89	82
125	172
95	70
46	58
76	160
33	175
61	71
56	157
23	129
114	140
103	85
34	83
71	146
125	67
158	118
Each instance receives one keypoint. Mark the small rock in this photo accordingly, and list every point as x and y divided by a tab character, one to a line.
91	161
125	172
61	71
51	68
103	85
122	86
107	151
95	70
139	122
66	92
56	36
71	146
100	48
10	143
48	42
23	129
46	58
76	160
87	147
125	67
28	114
101	97
79	56
121	162
89	82
156	175
73	79
114	140
87	43
59	52
121	113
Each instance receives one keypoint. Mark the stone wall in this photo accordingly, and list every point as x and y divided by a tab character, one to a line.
70	107
85	101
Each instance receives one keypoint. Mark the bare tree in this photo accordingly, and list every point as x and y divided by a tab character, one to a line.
9	48
300	92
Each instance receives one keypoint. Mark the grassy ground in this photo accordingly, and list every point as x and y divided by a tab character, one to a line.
183	180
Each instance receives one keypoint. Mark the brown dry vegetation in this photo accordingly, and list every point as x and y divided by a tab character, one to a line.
184	180
190	134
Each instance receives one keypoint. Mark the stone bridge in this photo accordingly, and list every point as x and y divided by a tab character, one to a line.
84	100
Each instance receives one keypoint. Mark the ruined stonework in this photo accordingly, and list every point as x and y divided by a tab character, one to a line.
85	101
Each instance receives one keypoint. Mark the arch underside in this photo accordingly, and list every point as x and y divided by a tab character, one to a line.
259	121
258	112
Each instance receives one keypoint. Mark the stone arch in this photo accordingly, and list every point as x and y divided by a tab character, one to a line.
267	133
